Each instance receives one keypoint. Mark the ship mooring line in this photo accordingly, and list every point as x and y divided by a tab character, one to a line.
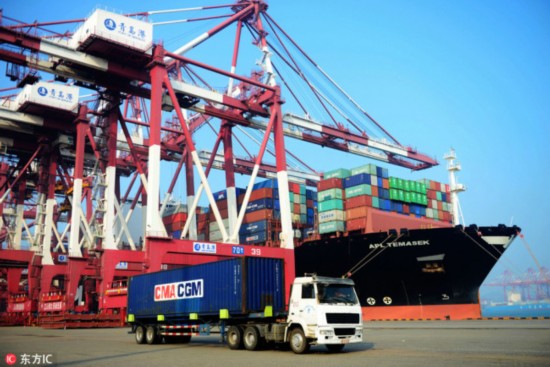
365	260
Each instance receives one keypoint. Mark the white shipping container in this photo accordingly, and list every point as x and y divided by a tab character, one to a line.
130	32
215	236
332	215
63	97
213	226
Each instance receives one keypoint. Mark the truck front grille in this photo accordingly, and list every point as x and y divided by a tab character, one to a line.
344	331
343	318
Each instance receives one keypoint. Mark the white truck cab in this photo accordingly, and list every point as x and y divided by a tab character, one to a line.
323	310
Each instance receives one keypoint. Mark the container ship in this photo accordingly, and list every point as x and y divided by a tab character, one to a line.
397	239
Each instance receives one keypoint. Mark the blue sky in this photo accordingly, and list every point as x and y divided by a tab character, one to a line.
472	75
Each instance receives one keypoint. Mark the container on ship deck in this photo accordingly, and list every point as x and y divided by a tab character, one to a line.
355	180
259	204
330	194
261	215
337	173
334	204
331	183
253	227
331	227
253	238
264	193
331	215
267	184
357	201
363	189
367	168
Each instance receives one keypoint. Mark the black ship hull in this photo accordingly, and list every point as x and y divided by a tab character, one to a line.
402	275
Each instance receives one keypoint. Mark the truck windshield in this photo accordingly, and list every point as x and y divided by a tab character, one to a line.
336	293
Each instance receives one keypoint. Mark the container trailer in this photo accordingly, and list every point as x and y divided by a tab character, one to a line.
244	299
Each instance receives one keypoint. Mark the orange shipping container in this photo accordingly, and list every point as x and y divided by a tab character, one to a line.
385	183
374	190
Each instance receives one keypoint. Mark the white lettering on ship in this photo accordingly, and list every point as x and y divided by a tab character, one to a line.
375	246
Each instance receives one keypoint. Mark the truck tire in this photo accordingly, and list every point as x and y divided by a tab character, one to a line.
151	335
298	341
335	348
140	335
235	337
251	338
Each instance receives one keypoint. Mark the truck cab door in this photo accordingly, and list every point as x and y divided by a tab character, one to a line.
303	307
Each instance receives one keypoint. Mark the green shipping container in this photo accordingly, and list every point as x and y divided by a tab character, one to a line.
358	190
406	185
394	194
334	204
329	194
330	227
407	197
367	168
337	173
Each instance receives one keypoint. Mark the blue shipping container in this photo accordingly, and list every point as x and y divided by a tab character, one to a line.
253	227
241	285
222	195
253	238
267	184
259	205
361	178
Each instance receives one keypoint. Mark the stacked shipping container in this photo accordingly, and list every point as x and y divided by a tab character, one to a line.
346	196
342	203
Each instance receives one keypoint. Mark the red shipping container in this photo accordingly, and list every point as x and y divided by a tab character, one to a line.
356	224
406	209
385	183
309	203
331	183
294	187
296	209
431	194
355	202
223	213
265	193
440	206
258	215
355	213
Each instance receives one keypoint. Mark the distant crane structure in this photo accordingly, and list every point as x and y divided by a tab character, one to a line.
531	286
63	162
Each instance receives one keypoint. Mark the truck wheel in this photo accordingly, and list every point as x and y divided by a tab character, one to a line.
140	335
335	348
298	341
235	337
151	335
251	338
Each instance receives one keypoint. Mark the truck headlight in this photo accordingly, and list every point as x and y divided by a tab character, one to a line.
326	332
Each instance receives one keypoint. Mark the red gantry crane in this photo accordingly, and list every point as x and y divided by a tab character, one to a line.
95	116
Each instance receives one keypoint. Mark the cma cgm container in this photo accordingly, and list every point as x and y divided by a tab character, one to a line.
244	298
240	286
